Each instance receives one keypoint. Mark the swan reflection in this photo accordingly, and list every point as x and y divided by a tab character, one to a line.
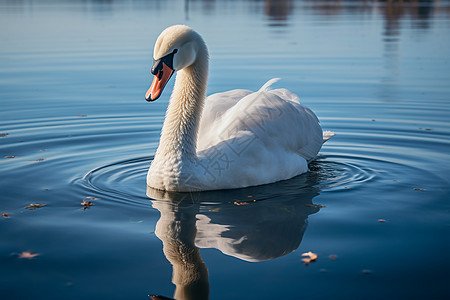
252	224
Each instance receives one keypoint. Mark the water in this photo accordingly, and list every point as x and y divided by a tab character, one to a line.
75	124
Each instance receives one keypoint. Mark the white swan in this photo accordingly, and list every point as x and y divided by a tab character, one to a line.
229	140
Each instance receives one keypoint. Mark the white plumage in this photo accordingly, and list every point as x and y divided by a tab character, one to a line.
228	140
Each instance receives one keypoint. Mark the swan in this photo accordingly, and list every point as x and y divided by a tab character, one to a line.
228	140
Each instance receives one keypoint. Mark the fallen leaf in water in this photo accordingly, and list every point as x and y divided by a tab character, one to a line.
216	209
315	205
86	204
332	257
10	156
309	257
81	116
39	159
5	215
28	255
241	203
381	220
395	180
417	189
249	196
92	198
35	205
3	134
46	189
43	149
307	260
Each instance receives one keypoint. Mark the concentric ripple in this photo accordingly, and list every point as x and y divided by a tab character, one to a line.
116	151
351	160
122	180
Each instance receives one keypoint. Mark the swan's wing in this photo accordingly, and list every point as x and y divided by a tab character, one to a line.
214	107
286	95
216	104
274	117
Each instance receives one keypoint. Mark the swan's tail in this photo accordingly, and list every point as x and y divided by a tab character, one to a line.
327	135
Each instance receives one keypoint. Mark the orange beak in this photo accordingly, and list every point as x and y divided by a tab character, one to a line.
159	82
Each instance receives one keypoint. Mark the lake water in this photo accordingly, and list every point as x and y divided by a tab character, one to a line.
74	125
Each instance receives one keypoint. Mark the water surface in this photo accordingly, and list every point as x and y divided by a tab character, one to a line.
74	124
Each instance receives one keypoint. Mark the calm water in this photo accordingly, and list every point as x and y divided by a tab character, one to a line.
74	124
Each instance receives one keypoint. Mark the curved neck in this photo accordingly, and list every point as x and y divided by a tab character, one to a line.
179	132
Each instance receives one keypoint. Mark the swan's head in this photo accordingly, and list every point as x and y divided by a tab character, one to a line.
176	48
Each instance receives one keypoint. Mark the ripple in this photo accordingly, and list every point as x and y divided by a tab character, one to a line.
363	152
123	180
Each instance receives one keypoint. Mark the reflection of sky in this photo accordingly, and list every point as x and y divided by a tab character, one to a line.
231	20
366	43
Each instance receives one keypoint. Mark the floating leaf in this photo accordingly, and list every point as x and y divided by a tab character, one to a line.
417	189
35	205
332	257
241	203
10	156
43	149
28	255
5	215
39	159
238	203
92	198
309	257
81	116
86	204
3	134
315	205
381	220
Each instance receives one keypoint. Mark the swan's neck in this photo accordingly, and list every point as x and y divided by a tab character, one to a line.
179	132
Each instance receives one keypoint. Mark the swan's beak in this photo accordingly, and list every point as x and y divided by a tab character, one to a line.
159	82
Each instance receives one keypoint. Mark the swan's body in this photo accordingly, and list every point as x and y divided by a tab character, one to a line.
228	140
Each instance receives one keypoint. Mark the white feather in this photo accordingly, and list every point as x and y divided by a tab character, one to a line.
232	139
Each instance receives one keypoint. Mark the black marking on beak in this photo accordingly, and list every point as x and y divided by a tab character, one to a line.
168	60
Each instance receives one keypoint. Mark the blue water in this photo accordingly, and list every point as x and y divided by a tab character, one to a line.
74	124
